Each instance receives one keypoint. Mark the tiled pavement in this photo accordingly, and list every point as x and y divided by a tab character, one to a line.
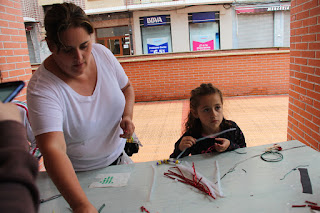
263	120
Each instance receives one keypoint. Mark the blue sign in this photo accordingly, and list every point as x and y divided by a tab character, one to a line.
154	20
154	49
203	17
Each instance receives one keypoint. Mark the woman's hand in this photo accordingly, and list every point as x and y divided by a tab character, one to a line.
222	144
128	127
186	142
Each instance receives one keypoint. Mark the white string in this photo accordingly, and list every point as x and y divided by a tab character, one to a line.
153	181
208	136
217	171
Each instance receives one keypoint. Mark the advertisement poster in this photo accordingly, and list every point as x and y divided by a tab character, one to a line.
201	43
157	45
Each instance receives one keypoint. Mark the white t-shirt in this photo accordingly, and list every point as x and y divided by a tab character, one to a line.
90	124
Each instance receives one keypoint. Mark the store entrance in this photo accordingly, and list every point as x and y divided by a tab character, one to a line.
116	44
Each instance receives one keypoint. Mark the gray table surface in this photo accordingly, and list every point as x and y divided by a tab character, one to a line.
253	186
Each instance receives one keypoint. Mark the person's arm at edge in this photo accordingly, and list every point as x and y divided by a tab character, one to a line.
18	169
59	167
127	116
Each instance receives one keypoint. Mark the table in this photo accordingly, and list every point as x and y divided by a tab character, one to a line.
253	186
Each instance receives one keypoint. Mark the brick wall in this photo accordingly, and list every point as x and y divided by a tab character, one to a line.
304	92
14	61
235	72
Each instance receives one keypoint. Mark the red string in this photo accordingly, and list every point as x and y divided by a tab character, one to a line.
209	150
143	209
192	182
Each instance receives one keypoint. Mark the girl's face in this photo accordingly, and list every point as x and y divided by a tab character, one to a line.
75	56
210	113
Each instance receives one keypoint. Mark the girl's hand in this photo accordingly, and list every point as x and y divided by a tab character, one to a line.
186	142
128	127
222	144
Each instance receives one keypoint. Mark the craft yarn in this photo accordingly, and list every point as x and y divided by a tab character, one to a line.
276	156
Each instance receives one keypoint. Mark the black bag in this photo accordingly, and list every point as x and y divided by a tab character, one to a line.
132	145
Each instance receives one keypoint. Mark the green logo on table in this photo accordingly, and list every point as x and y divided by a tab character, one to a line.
107	180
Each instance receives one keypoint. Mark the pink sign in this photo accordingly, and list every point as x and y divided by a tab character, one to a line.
199	46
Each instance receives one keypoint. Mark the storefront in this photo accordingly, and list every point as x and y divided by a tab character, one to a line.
260	26
195	28
204	31
156	34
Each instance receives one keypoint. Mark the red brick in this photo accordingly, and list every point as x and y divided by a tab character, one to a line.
314	29
22	65
18	25
7	66
300	104
312	126
301	61
308	38
310	4
21	51
7	31
309	21
300	75
306	115
316	120
11	45
298	131
302	15
301	46
5	38
14	11
19	38
316	104
295	53
313	110
305	129
296	24
315	11
314	78
6	52
314	144
307	70
300	90
294	81
307	85
17	5
13	59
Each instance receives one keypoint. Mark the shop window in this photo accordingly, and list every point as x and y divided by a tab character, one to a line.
33	43
117	39
204	31
156	34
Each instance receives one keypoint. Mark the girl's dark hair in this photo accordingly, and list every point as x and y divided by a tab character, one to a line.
63	16
193	124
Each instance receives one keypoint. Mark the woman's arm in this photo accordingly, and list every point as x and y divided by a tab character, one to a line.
58	165
126	123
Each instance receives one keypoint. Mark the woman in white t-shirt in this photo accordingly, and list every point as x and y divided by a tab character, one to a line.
80	104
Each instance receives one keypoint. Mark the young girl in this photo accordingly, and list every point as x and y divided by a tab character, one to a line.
206	118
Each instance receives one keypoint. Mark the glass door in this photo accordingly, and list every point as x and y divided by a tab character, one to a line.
116	45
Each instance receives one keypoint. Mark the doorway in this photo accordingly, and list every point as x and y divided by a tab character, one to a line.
116	45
